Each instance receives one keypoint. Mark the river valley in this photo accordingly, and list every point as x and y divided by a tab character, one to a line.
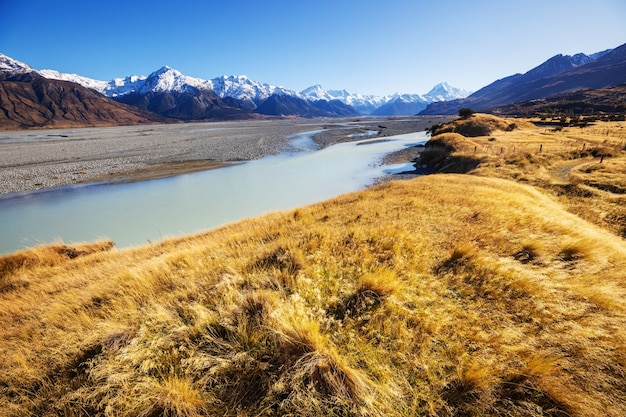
139	212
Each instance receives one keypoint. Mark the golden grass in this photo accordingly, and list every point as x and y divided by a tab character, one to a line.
583	167
445	295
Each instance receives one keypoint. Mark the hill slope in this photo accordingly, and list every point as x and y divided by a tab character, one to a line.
28	100
446	295
559	74
610	101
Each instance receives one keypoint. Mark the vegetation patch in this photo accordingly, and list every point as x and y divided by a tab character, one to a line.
577	164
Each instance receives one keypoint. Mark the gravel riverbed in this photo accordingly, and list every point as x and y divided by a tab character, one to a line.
38	159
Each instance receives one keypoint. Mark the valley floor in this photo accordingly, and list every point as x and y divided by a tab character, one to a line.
494	287
38	159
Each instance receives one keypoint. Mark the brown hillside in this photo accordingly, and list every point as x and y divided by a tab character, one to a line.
41	102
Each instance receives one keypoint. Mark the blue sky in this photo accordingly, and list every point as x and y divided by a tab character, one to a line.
369	47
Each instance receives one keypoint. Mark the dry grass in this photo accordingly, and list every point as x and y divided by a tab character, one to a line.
584	167
447	295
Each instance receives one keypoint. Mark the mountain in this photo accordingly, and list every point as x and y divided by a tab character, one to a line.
405	104
410	104
27	99
12	67
185	105
391	105
289	105
335	107
559	74
248	91
363	104
607	102
445	92
169	93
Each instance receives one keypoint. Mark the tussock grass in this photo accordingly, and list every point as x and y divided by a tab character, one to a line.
481	125
583	166
446	295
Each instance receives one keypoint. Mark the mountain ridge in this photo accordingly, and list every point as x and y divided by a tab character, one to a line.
249	92
557	75
29	100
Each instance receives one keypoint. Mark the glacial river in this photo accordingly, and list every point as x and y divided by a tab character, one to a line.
136	213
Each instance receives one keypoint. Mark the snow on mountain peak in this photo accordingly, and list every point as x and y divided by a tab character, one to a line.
240	87
13	65
317	92
75	78
169	79
445	92
367	104
243	88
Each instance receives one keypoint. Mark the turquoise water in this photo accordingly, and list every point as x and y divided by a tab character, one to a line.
136	213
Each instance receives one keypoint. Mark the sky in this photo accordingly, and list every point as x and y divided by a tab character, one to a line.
364	46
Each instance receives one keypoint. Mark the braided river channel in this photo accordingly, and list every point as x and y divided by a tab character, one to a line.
148	211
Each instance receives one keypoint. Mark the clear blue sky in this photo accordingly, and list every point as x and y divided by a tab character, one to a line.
365	46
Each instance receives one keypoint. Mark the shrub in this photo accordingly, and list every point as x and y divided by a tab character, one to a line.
466	112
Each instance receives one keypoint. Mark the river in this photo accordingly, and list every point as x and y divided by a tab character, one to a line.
136	213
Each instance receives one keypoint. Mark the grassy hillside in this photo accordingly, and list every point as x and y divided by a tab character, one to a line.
446	295
583	167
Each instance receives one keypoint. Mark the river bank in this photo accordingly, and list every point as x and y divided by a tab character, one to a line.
40	159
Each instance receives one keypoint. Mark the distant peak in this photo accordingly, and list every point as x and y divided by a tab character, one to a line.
241	77
444	92
165	69
312	89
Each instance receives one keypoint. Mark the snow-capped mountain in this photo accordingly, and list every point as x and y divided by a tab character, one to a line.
8	64
168	79
118	87
445	92
75	78
243	92
243	88
171	80
401	105
364	104
164	79
396	104
30	99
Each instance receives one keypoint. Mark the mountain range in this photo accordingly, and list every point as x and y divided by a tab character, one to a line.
558	75
170	93
250	94
48	98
